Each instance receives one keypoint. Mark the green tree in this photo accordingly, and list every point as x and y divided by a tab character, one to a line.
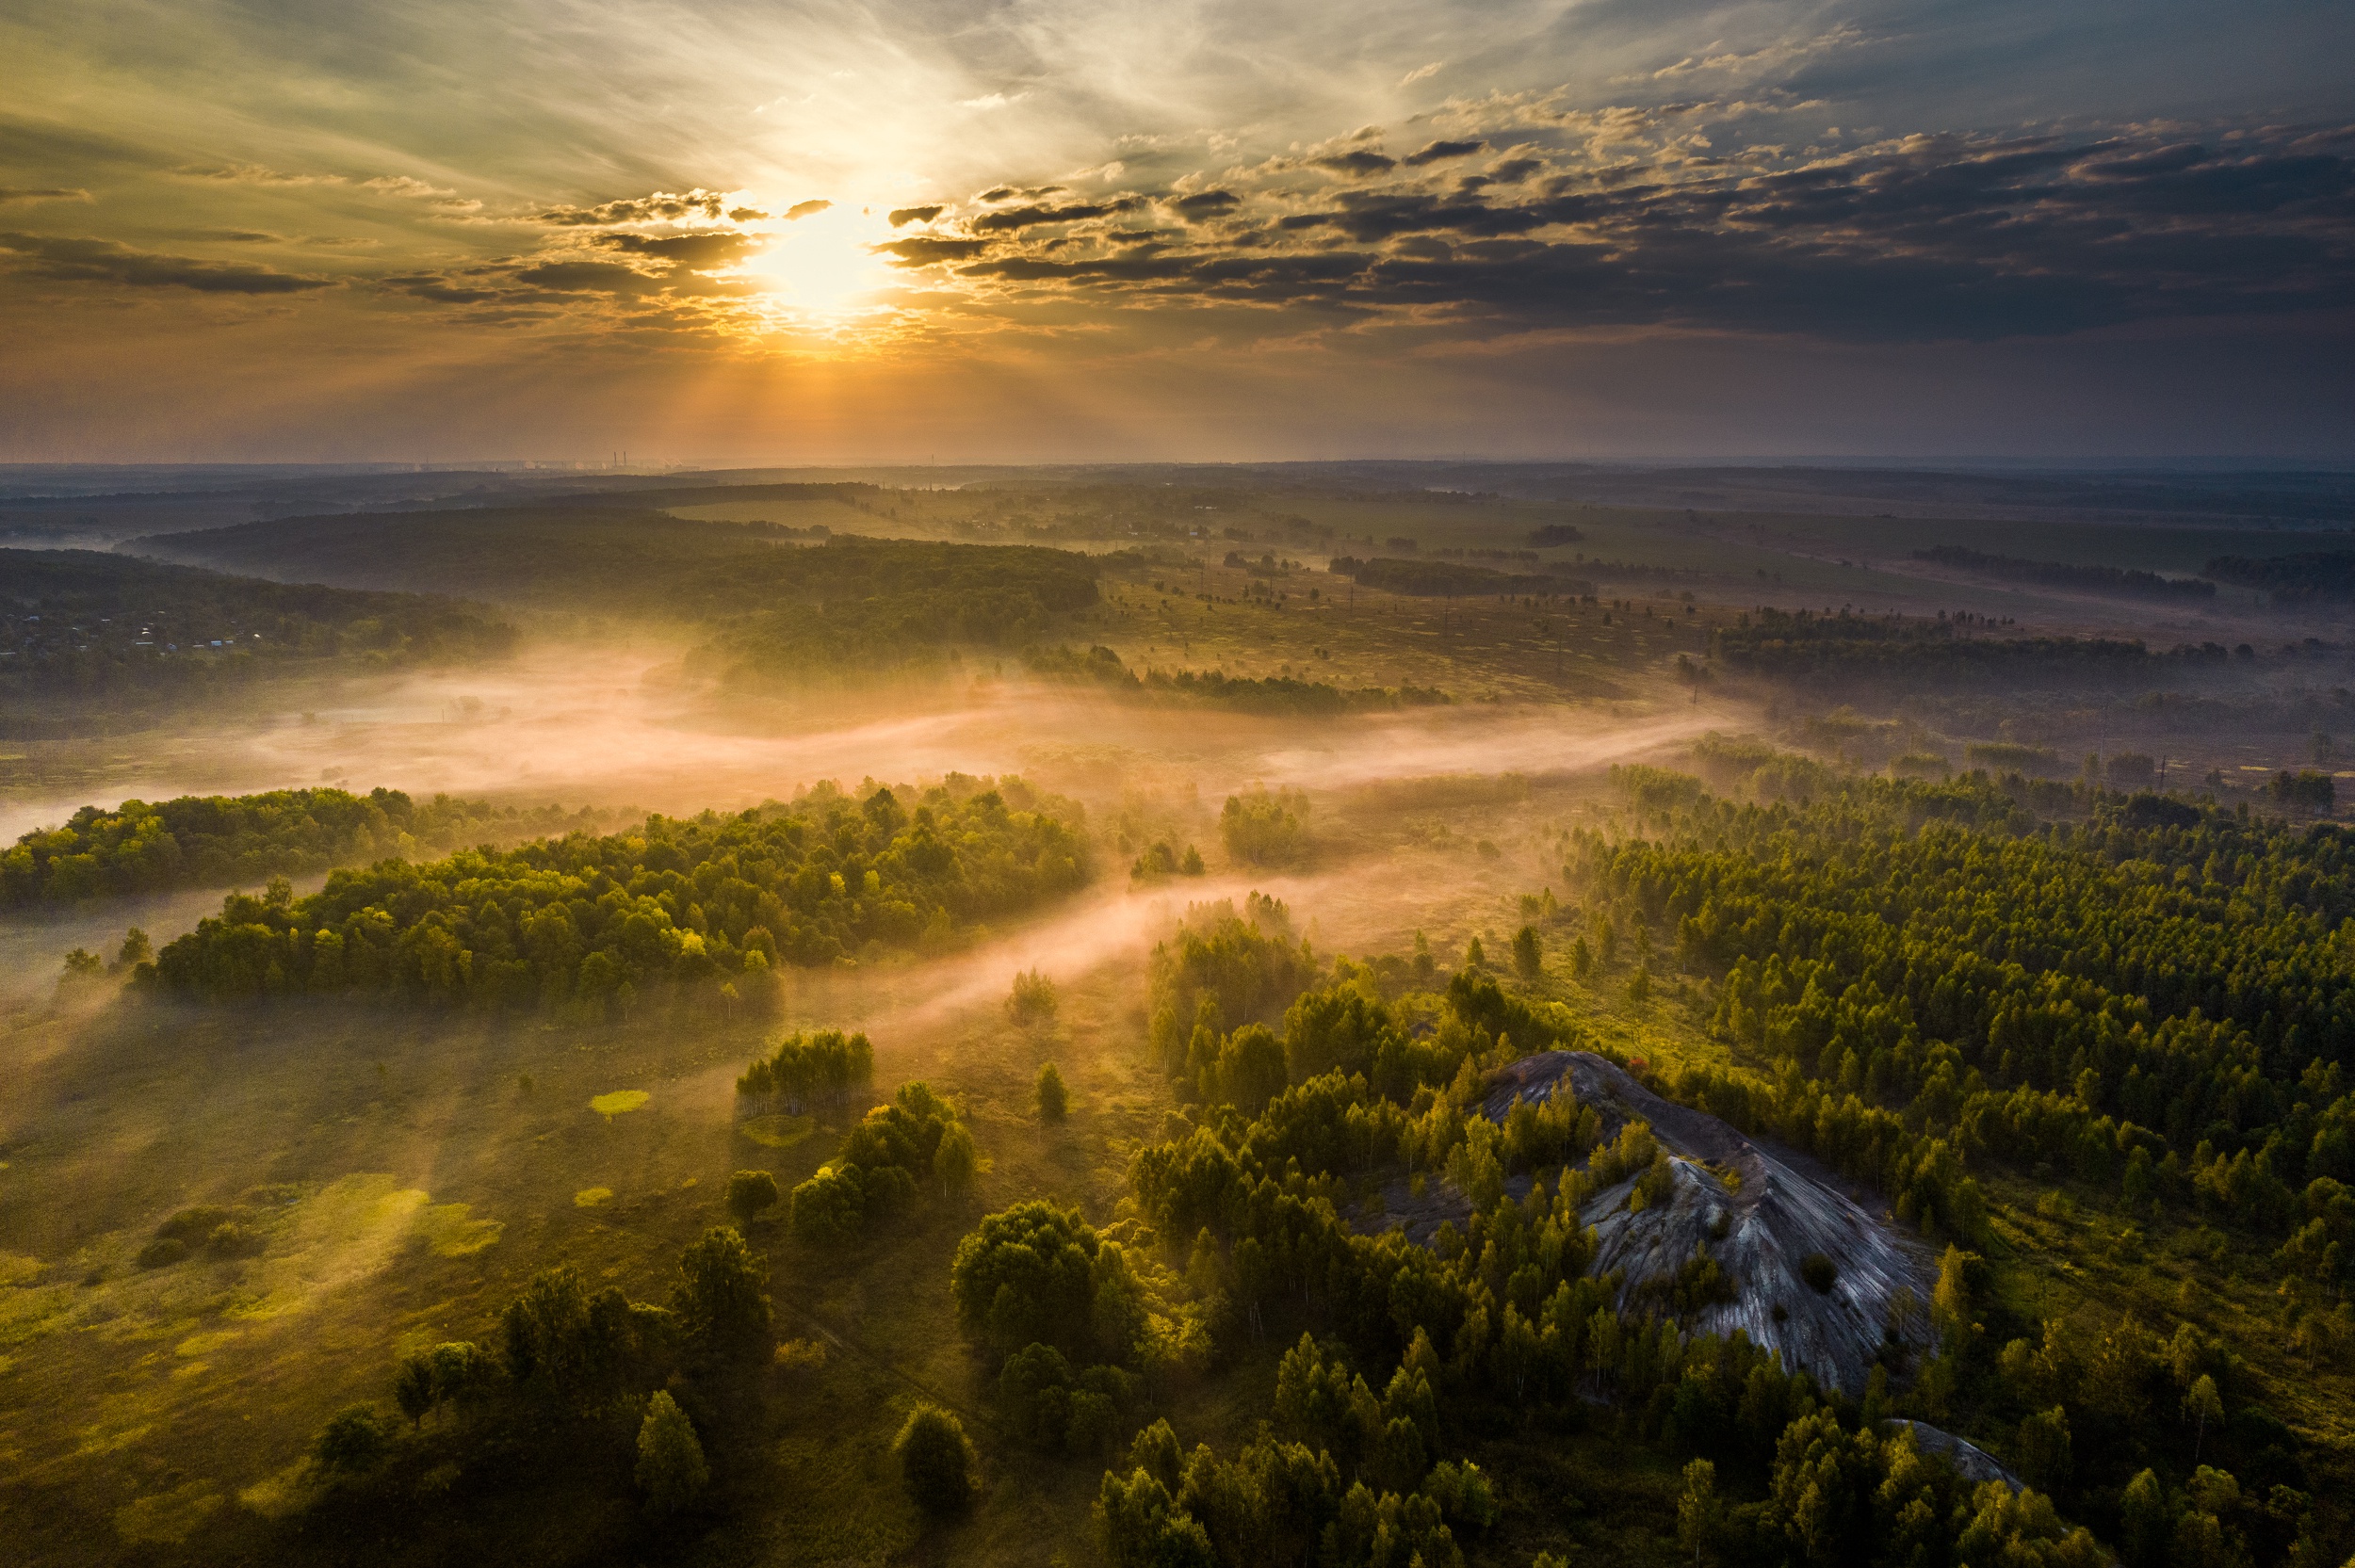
1054	1101
412	1388
751	1194
1264	828
2045	1459
136	950
956	1162
670	1467
1033	1001
1028	1274
936	1459
354	1440
1527	955
722	1296
1699	1514
2143	1523
2203	1405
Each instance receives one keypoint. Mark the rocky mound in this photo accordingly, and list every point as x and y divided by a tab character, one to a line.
1762	1212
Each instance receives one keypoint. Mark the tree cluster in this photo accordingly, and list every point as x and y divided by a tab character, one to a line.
215	840
2154	1000
894	1154
583	924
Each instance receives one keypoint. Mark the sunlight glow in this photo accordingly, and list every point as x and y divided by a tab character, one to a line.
819	270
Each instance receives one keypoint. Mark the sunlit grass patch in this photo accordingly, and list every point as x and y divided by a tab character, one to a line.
776	1132
589	1197
205	1343
620	1102
451	1231
166	1518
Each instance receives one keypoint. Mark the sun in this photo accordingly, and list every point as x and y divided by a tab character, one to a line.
820	268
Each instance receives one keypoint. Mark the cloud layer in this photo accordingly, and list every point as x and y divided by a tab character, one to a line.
1292	191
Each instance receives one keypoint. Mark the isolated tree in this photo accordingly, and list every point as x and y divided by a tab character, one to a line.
412	1388
2204	1405
936	1459
136	950
354	1440
1054	1101
751	1194
721	1297
670	1467
956	1162
1033	999
1528	956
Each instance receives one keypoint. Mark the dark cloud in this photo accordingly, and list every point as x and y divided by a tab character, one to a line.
1439	152
1360	165
927	249
803	209
660	206
1031	193
1207	204
104	261
745	214
916	214
1030	218
440	290
1366	216
1935	238
589	277
695	251
41	193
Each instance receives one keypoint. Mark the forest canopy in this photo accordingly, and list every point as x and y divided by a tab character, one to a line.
584	923
217	840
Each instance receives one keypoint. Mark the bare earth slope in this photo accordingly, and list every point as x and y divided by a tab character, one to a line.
1774	1207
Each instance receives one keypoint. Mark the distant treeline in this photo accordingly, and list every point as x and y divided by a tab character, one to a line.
80	628
217	840
1252	694
1449	580
2054	573
876	604
2291	579
1791	644
584	922
772	607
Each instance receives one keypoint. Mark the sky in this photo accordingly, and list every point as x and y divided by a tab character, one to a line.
716	231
